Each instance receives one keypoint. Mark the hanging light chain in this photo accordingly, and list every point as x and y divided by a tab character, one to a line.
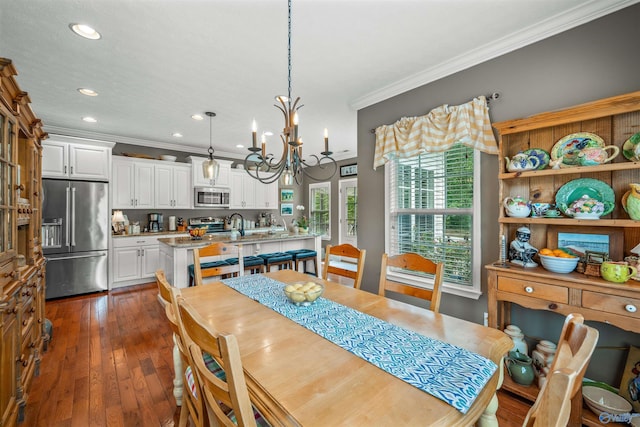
289	52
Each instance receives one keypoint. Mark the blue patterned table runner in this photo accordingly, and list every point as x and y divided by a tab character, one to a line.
445	371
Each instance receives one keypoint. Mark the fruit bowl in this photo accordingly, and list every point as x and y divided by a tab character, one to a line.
197	233
559	265
303	293
600	400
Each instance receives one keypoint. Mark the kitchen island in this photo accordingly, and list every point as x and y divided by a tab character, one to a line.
176	253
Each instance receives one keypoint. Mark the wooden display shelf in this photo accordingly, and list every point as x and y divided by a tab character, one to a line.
603	222
577	169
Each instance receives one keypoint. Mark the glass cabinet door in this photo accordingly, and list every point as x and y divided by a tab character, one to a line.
7	178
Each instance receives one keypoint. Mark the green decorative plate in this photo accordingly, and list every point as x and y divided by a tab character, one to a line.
569	147
631	149
541	154
593	188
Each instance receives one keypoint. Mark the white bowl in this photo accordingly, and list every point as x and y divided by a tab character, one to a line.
168	158
559	265
600	400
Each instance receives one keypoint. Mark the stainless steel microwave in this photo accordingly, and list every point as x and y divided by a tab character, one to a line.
211	197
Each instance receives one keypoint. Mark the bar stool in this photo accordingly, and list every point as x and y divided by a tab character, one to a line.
252	263
280	259
204	266
304	255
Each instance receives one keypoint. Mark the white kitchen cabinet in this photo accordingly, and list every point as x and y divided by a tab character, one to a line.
242	190
61	159
267	195
198	178
132	184
172	185
134	259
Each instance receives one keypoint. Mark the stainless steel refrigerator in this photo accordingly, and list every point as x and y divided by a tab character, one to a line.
75	236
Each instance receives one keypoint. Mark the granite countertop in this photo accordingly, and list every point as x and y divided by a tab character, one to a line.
147	233
188	242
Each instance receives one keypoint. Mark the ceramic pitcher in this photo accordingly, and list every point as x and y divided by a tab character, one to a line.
520	367
517	207
594	156
631	202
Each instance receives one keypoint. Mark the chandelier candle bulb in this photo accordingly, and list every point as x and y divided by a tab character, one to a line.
326	140
254	130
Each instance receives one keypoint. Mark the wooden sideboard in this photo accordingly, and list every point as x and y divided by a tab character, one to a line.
22	264
615	120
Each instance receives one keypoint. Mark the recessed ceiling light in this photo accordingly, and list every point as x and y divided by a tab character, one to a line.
87	91
239	146
197	117
89	119
177	135
267	133
85	31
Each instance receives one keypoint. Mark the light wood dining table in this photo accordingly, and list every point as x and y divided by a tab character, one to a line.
297	378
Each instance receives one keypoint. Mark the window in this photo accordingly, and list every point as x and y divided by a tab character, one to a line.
320	209
433	212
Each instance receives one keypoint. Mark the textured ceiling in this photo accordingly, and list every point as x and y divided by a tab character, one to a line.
161	61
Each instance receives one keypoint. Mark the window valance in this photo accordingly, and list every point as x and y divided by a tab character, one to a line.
437	131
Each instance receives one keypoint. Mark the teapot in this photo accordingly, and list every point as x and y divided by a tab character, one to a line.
522	162
587	208
593	156
517	207
520	367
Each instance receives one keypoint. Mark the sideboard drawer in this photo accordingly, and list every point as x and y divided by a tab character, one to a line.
528	288
611	303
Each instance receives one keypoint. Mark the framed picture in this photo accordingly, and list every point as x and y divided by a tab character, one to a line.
286	195
286	209
581	239
349	170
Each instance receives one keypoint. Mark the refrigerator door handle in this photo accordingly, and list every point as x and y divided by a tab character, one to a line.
66	237
73	216
48	259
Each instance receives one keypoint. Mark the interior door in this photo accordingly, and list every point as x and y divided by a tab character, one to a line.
348	211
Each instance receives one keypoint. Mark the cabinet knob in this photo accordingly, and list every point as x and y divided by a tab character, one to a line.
528	289
630	308
553	306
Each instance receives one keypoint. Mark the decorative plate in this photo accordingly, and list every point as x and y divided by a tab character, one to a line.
541	154
631	149
593	188
568	147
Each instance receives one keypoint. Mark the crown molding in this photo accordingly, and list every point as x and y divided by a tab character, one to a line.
579	15
88	135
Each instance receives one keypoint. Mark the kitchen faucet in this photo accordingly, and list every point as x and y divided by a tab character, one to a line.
241	222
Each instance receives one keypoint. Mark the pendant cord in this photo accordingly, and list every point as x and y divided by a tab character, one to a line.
289	52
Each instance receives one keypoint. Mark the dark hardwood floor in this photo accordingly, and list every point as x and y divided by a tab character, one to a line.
110	363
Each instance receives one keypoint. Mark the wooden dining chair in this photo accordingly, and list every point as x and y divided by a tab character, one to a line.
352	267
220	394
415	263
217	267
560	398
190	398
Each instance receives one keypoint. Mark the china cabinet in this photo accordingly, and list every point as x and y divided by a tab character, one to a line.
21	260
615	120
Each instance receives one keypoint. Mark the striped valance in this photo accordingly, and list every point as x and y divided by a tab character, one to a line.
437	131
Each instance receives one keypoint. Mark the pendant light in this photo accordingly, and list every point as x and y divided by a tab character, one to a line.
210	168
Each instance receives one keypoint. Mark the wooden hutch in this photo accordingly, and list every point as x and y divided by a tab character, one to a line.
615	120
22	264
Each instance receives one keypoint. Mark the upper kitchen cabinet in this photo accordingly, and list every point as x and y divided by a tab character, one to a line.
132	186
173	186
267	195
242	189
198	177
76	159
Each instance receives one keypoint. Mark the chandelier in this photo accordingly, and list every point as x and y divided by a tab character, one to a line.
290	167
